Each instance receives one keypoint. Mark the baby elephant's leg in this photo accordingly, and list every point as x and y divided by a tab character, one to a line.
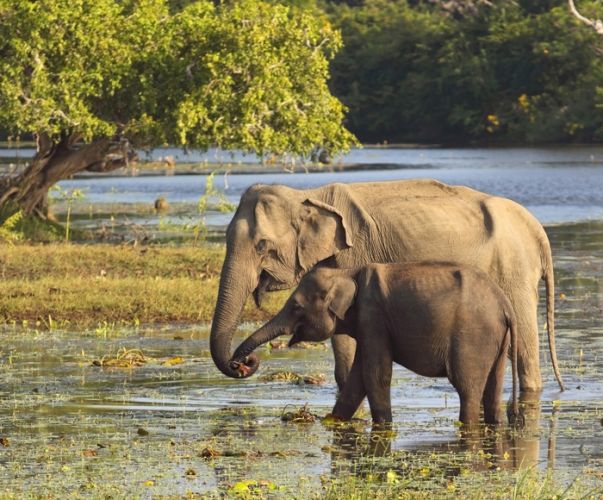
352	394
344	349
377	361
469	379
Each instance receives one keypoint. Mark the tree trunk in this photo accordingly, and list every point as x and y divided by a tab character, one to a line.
58	160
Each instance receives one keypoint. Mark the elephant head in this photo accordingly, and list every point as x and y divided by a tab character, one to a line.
323	297
276	235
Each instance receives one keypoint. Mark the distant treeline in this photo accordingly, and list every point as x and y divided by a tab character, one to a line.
462	71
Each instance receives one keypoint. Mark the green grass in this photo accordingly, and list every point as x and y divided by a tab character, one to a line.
87	285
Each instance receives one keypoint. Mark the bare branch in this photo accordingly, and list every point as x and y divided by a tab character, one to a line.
597	24
7	194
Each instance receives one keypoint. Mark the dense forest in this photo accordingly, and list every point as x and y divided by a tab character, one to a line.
445	71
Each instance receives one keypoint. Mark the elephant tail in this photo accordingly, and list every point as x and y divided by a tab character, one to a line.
512	328
550	313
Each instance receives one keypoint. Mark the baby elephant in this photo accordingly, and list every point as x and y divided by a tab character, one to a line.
436	319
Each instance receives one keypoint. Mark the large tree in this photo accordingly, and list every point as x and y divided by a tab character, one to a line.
92	80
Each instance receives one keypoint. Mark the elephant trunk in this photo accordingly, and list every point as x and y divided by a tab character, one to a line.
243	361
236	284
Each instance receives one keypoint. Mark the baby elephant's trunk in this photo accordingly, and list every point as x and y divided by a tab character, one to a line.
243	359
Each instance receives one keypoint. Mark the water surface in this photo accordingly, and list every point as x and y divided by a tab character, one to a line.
556	185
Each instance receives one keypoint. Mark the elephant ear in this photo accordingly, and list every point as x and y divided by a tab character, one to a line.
323	232
341	295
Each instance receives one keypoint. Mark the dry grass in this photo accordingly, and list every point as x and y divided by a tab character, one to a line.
87	285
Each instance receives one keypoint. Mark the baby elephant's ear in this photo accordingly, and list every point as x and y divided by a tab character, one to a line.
341	295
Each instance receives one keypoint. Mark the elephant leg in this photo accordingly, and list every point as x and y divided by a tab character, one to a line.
344	350
470	403
377	361
351	396
525	303
494	387
470	387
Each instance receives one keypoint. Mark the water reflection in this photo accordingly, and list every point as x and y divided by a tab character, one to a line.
354	449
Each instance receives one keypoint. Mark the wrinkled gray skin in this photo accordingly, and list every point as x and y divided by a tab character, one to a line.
436	319
278	234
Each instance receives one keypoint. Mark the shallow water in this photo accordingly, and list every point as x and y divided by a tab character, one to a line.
72	427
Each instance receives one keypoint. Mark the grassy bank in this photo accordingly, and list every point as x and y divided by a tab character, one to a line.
87	285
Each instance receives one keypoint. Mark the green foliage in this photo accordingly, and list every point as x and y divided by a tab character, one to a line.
522	71
15	226
9	231
247	75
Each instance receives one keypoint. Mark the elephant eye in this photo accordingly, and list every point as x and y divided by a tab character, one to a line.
261	246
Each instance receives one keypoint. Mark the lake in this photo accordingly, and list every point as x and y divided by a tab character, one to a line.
556	184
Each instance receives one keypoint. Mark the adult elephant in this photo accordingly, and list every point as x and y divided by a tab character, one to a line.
278	234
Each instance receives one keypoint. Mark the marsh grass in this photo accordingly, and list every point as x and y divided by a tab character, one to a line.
520	485
60	285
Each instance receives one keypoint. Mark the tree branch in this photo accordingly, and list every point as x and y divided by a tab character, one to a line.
43	142
120	154
597	24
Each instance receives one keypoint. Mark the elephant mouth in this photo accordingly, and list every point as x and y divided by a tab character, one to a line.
268	283
294	340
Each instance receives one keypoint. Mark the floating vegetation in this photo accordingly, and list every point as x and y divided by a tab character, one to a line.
125	358
133	358
252	487
277	345
302	415
176	360
209	452
294	378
